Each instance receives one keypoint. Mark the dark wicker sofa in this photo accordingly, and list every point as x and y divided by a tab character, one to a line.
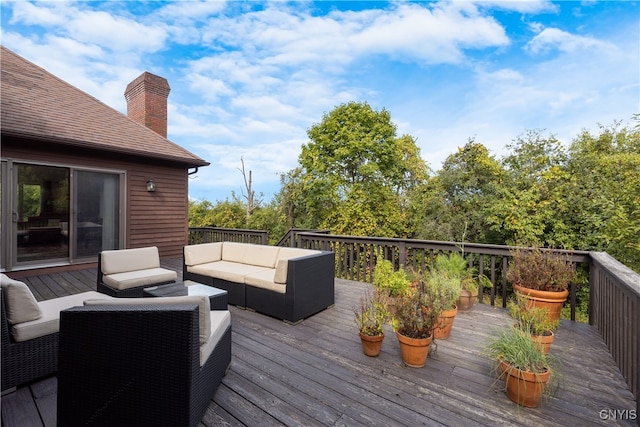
287	283
136	365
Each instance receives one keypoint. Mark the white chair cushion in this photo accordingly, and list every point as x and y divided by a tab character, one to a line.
204	320
220	321
49	322
20	303
226	270
133	279
233	251
121	261
261	255
282	264
202	253
264	280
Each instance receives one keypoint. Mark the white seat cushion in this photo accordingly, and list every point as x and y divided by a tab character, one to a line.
132	279
20	303
49	322
233	251
264	280
284	256
225	270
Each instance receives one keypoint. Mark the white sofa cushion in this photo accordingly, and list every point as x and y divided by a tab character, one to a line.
264	279
226	270
202	253
233	251
20	303
120	261
204	320
282	264
49	322
220	321
261	255
132	279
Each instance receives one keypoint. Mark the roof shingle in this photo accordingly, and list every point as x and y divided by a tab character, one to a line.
36	104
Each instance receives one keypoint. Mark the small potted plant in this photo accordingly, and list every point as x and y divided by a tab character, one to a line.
456	266
442	290
543	276
370	317
525	369
414	325
391	282
534	320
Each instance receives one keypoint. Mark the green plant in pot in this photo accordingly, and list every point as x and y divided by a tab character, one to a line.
391	282
456	266
543	276
534	320
414	324
442	290
528	373
370	317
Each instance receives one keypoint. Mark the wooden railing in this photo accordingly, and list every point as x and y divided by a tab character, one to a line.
215	234
614	290
614	310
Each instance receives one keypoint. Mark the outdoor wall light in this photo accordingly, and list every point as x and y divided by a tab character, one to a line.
151	186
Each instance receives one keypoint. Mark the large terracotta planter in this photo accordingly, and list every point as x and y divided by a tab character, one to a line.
445	323
371	344
553	301
414	350
544	341
522	387
466	300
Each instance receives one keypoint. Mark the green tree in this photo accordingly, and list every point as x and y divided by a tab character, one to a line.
355	174
469	180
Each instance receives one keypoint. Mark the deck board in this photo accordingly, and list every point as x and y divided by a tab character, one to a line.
315	373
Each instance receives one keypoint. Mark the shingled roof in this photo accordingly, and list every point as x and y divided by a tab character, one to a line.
36	104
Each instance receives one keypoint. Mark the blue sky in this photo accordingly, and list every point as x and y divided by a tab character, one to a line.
249	78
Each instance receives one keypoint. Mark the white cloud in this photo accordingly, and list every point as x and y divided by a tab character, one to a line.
556	39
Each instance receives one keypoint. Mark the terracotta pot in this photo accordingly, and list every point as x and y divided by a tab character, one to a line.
466	300
371	344
414	350
544	341
552	300
445	323
522	387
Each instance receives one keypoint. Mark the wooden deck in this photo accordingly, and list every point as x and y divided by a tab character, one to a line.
315	374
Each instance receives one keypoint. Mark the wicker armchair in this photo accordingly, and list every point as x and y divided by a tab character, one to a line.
25	361
136	365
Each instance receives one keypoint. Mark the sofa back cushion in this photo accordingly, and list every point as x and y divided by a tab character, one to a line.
19	302
233	251
261	255
202	253
204	320
124	260
282	263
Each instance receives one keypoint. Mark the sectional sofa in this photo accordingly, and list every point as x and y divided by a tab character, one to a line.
287	283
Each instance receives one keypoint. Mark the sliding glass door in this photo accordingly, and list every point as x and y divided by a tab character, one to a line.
55	215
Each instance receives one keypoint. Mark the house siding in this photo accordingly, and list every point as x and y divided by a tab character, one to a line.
152	219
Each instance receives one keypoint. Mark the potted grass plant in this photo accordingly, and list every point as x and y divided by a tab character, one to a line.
442	289
534	320
542	276
370	317
529	375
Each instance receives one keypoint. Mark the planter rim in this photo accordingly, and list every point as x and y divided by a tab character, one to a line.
529	376
544	295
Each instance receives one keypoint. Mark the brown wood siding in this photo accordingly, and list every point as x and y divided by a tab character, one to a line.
152	219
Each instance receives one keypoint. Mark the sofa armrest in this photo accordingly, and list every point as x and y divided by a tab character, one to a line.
310	285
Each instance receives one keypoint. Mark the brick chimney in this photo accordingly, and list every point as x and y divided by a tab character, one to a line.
147	101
